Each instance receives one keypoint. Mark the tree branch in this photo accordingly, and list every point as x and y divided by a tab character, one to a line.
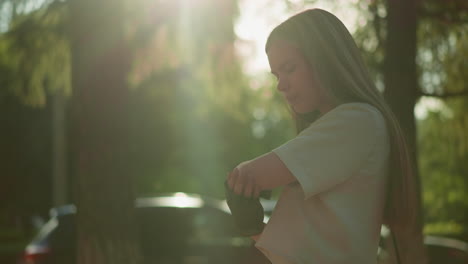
446	16
446	94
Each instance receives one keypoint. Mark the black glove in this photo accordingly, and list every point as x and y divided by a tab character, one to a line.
247	212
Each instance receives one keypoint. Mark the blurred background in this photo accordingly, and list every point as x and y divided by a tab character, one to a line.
105	101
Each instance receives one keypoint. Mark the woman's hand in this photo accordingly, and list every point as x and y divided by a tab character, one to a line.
242	181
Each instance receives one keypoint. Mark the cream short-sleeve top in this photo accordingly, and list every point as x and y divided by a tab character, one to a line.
333	213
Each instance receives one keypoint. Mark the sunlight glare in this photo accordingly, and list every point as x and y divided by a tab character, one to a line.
429	104
179	200
258	18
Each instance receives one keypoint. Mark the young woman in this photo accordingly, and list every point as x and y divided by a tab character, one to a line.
347	171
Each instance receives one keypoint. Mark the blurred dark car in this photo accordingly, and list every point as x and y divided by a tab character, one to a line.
173	228
444	250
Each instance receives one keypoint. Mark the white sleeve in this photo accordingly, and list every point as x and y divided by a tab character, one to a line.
333	148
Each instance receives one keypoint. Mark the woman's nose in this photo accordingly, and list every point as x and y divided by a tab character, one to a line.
283	85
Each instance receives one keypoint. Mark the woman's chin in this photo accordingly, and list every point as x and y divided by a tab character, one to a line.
302	110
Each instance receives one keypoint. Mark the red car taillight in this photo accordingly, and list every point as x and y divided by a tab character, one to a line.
35	255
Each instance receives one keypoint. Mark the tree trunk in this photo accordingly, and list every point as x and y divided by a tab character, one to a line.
60	186
401	86
401	92
106	228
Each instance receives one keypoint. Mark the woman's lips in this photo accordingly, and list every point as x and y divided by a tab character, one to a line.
290	98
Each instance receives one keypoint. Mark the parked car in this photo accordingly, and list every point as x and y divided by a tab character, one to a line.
444	250
173	228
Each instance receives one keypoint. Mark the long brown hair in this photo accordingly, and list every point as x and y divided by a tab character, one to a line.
331	51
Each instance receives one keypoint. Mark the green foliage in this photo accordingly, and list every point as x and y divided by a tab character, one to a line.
35	56
442	135
439	48
443	144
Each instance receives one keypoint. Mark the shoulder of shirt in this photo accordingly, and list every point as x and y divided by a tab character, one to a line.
353	111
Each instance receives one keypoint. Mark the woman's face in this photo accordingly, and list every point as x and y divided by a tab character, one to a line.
296	80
